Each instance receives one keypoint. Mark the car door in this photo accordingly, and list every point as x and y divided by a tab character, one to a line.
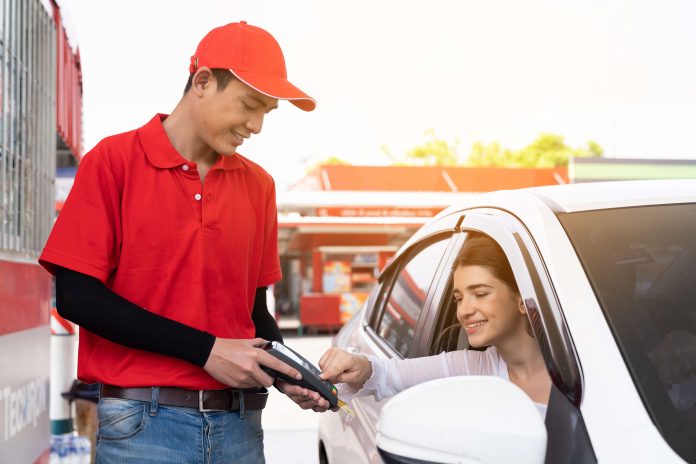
391	327
568	440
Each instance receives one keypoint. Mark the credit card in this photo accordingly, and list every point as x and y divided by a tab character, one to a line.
345	407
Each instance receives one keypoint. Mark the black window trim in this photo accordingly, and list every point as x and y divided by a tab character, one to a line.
386	281
439	296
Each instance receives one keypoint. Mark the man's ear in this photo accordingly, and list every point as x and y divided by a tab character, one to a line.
203	81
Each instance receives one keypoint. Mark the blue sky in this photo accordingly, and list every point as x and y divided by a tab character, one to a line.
620	72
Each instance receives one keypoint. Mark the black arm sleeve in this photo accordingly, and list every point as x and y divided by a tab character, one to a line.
266	326
85	301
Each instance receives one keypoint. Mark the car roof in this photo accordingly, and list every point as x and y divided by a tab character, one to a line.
604	195
588	196
540	201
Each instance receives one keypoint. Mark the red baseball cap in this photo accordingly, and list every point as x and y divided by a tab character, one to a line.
254	57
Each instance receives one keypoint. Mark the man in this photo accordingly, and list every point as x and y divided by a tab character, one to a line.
162	253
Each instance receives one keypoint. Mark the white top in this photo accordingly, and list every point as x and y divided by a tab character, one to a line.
390	376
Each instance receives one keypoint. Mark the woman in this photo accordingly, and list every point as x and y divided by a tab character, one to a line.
493	314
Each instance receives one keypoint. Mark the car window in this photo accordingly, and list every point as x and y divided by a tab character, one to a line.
641	263
406	296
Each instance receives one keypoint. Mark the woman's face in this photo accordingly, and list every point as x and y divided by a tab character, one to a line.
486	307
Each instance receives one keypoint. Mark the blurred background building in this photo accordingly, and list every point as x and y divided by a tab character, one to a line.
340	224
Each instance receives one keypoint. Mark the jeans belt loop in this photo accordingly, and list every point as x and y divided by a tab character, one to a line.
241	403
154	402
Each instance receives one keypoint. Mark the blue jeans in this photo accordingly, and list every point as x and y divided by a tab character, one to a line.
144	433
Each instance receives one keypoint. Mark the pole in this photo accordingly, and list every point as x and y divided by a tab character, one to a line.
63	372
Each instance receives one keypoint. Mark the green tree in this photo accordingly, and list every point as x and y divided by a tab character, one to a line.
488	155
548	150
432	152
594	149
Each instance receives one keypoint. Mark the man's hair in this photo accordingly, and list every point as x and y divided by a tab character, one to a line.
222	77
481	250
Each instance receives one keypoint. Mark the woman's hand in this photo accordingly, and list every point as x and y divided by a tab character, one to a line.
339	366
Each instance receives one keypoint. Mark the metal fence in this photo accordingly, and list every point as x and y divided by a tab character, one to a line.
27	125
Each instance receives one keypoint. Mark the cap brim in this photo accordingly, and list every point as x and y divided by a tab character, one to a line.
276	87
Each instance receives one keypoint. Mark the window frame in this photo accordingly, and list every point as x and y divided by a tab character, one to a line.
548	322
387	281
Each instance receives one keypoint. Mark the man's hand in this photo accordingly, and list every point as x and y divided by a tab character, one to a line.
236	362
306	399
339	366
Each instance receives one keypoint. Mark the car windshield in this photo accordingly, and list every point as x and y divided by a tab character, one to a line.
641	262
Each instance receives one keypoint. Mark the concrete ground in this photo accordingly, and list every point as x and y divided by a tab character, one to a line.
290	432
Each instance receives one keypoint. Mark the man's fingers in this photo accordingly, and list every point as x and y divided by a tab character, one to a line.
292	390
307	404
262	378
257	342
320	408
304	398
278	365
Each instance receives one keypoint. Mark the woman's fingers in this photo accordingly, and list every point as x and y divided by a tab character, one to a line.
335	364
328	357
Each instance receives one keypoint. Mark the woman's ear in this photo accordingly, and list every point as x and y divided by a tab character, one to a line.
520	305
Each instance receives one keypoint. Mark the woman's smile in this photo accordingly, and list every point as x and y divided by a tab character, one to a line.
473	326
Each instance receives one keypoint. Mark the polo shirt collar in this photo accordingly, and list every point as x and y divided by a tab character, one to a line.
162	154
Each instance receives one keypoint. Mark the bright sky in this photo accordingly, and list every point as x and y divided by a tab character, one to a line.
620	72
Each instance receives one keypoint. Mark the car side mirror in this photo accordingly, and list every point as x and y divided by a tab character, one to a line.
472	419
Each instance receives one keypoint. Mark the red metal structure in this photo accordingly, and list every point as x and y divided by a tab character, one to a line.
69	88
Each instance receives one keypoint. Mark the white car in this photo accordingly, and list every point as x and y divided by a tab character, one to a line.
608	275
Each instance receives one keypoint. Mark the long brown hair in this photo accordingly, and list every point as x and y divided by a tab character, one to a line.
481	250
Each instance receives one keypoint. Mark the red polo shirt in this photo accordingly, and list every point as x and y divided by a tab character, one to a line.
139	219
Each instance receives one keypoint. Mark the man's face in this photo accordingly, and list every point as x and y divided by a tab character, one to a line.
225	118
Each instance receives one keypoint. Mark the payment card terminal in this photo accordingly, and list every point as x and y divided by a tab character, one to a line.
310	374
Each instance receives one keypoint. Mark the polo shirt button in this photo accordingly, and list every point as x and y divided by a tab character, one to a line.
197	196
185	167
